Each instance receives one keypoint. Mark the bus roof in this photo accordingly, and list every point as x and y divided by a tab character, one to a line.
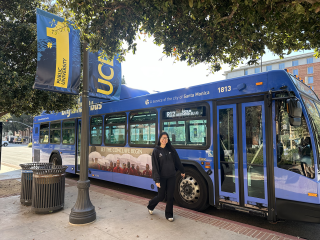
255	84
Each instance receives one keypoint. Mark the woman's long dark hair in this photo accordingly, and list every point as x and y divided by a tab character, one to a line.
168	146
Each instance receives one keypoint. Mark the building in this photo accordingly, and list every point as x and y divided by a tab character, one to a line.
304	65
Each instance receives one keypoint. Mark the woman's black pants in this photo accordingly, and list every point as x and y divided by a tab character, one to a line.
166	185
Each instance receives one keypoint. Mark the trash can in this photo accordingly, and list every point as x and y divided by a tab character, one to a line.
26	181
48	188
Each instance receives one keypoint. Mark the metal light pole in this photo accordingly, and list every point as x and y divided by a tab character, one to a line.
83	210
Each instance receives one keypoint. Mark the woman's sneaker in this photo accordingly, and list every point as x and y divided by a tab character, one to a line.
150	211
170	219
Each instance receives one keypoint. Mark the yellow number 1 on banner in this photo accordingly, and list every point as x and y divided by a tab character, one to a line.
61	34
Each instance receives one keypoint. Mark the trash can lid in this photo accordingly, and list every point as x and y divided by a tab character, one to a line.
49	169
26	166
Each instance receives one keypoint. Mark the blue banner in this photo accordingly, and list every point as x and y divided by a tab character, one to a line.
104	77
59	59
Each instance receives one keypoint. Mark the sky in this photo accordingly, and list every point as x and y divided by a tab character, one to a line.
144	70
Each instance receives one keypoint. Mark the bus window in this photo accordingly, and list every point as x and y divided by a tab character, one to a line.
68	132
143	127
55	132
44	133
186	126
294	148
115	129
96	131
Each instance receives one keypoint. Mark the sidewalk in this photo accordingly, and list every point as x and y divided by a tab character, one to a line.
119	216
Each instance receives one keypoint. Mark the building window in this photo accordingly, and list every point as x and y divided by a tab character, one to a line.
310	70
257	70
281	66
246	72
295	63
269	68
309	60
312	88
295	71
310	80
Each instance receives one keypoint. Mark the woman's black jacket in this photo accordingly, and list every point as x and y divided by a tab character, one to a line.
165	163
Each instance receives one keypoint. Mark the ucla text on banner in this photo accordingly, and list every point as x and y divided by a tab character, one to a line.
59	59
104	77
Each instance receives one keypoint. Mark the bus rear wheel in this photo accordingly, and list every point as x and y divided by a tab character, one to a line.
191	192
55	159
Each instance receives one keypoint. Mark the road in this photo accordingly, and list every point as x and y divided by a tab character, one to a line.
13	155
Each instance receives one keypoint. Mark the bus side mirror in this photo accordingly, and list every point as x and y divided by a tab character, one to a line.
294	110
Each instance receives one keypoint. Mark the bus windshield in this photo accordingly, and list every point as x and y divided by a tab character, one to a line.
303	88
313	109
294	149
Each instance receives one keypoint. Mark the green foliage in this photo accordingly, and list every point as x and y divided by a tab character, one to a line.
123	80
211	31
16	125
18	62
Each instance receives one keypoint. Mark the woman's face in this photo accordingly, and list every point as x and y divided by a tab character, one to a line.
164	140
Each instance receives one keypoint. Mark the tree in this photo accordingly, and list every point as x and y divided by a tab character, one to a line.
18	62
123	80
211	31
16	125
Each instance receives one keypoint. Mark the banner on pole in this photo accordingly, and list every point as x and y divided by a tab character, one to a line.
59	59
104	77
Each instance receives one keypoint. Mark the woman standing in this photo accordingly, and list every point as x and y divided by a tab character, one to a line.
165	163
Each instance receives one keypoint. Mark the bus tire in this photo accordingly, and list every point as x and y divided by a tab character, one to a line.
55	159
191	192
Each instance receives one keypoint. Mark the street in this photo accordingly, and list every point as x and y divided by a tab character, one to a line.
14	155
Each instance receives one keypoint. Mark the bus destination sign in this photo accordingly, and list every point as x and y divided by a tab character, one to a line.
184	113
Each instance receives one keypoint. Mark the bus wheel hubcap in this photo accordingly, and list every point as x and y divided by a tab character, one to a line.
55	161
189	190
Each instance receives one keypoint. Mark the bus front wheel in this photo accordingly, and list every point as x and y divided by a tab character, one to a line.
191	192
55	159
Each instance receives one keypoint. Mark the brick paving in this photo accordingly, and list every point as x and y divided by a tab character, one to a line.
236	227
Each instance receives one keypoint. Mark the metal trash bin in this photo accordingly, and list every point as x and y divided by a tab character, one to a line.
48	188
26	181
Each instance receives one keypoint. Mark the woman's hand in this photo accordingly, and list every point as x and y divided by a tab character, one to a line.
158	185
183	175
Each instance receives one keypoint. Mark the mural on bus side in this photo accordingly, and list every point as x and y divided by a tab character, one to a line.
132	161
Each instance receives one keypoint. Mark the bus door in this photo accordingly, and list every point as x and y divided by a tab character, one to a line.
78	146
242	155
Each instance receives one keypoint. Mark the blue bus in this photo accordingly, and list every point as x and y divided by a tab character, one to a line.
249	144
